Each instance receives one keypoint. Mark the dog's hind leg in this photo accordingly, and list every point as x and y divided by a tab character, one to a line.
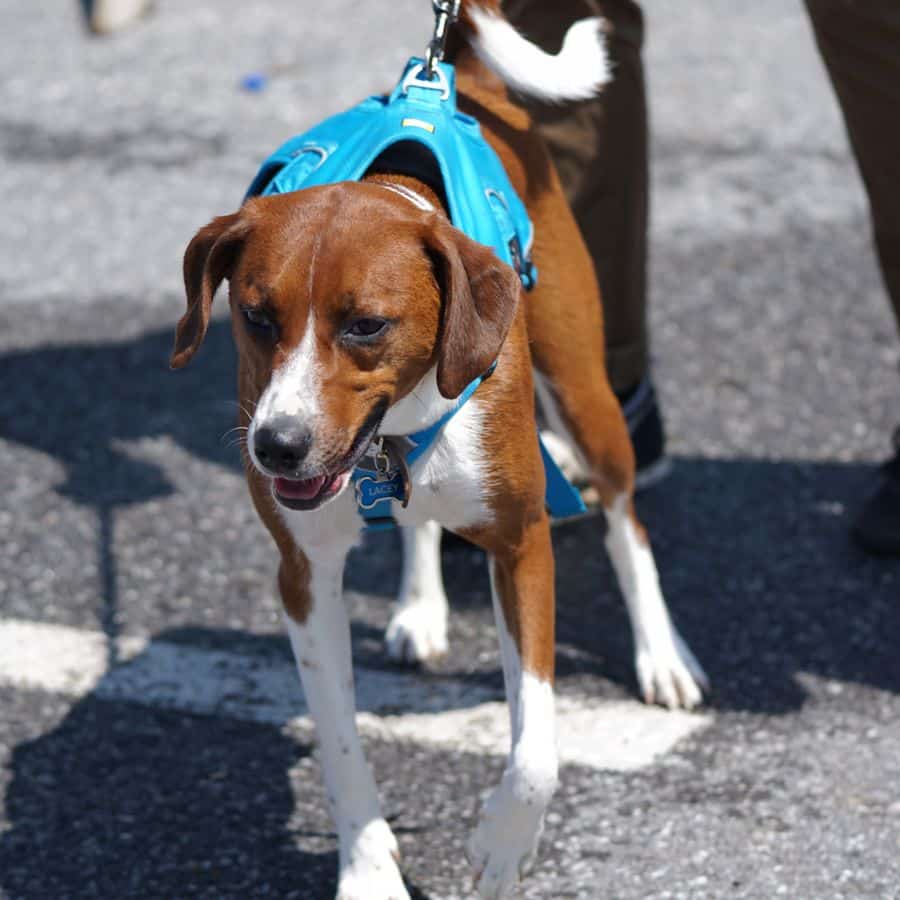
565	328
586	413
667	671
319	630
417	631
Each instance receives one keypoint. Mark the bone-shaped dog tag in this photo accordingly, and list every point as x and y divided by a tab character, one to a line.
370	490
391	479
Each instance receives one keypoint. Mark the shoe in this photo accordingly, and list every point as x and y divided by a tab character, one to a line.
106	16
648	436
877	527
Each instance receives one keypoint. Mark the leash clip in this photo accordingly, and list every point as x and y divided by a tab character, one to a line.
446	12
382	459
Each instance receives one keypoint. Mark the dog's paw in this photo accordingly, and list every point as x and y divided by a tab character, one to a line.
417	633
370	871
503	847
669	674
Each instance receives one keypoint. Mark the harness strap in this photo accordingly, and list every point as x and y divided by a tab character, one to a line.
425	438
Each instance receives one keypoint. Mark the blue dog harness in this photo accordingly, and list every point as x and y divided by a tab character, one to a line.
392	132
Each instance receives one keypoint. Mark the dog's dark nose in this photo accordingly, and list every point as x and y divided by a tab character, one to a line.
281	445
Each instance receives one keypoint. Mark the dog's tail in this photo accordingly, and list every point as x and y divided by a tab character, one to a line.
577	72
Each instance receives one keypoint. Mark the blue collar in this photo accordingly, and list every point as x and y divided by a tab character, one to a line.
392	132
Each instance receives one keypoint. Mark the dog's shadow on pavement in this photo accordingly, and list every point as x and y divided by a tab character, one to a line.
121	800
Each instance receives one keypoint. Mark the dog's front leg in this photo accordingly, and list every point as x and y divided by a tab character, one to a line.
505	841
319	630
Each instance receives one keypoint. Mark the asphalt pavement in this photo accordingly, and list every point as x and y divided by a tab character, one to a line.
148	743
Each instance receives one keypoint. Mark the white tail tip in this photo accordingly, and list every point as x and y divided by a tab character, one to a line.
577	72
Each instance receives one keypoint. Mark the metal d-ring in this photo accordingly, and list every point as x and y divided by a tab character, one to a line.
413	79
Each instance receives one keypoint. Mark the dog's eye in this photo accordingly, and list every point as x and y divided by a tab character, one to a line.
363	329
258	320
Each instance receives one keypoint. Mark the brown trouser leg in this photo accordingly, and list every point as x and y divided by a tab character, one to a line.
600	149
860	43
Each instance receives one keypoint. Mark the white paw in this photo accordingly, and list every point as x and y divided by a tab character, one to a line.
370	870
417	632
669	674
503	846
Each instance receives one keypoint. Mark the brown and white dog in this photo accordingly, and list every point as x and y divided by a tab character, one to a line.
357	310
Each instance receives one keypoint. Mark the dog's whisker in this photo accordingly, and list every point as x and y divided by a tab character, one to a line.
234	435
241	407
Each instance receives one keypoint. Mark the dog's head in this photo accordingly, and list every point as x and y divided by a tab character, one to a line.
343	298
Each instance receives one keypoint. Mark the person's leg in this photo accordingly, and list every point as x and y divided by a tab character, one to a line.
860	44
599	147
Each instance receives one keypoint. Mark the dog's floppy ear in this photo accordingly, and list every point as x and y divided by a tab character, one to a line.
208	259
479	294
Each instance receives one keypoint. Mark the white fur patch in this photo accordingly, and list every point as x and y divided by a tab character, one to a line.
332	529
448	481
293	389
667	671
421	407
577	72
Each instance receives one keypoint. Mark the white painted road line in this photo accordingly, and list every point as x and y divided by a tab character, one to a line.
442	712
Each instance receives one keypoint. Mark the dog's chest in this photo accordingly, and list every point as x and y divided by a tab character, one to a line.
449	482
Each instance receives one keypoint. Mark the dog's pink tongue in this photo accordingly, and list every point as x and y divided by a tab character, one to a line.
299	490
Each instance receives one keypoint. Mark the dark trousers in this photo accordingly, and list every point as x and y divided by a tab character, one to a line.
600	146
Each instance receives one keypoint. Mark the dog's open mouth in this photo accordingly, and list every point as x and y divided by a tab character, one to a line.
311	493
308	493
